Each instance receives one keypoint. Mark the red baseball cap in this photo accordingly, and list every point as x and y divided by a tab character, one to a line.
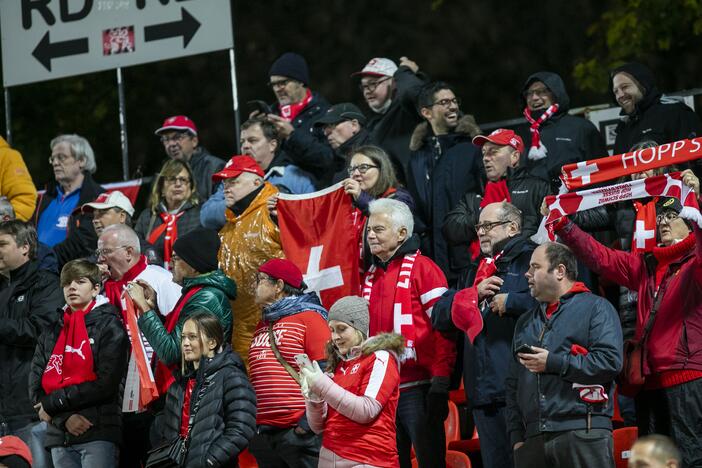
12	445
282	269
178	123
502	137
237	165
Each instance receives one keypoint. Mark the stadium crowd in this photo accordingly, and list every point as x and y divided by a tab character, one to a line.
182	336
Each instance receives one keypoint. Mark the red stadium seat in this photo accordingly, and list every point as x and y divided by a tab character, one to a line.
624	438
452	425
246	460
457	460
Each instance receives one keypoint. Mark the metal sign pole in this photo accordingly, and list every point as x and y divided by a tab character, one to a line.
235	98
8	118
123	126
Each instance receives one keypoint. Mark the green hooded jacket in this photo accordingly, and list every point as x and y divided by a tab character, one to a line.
215	296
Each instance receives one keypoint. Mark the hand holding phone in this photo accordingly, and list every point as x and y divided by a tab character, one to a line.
303	361
525	349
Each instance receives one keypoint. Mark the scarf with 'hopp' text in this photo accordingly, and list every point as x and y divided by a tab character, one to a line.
668	185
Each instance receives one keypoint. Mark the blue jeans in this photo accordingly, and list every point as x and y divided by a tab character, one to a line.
88	455
34	434
414	428
495	449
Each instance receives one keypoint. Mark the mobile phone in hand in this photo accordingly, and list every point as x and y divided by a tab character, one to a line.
525	349
303	361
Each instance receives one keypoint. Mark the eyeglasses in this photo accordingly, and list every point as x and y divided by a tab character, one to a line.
539	92
362	168
174	179
177	138
105	252
489	226
372	85
447	102
279	83
61	158
668	217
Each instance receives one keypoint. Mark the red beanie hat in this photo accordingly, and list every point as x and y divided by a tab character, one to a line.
282	269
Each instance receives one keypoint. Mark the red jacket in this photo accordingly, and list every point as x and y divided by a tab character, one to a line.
675	340
436	353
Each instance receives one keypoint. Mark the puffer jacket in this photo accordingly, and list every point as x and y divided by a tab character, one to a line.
16	182
100	400
147	222
248	241
215	290
29	302
81	239
567	138
225	419
546	401
371	371
655	117
441	169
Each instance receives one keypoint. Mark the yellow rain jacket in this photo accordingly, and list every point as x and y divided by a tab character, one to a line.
16	183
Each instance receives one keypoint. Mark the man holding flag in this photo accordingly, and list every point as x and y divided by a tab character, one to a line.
669	309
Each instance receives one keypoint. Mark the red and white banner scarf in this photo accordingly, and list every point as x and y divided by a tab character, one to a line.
538	150
644	239
592	393
668	185
140	385
170	228
403	320
290	111
595	171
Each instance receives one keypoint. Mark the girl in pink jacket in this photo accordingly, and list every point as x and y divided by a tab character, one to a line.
355	407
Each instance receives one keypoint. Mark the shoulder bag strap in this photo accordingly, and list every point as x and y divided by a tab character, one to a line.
293	373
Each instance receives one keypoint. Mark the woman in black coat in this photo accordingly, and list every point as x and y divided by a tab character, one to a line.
214	393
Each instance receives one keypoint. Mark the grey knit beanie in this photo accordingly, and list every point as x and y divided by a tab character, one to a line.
352	310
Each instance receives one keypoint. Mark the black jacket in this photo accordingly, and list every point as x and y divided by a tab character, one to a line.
308	147
547	401
99	401
654	117
28	306
526	193
567	138
81	240
393	129
441	170
225	419
204	165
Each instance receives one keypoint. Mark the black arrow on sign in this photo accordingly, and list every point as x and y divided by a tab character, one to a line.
45	50
186	27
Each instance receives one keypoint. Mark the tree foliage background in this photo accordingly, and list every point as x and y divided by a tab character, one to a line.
486	49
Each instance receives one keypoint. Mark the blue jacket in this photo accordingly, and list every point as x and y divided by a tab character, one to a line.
547	401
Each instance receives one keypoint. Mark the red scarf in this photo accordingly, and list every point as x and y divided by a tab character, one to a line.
185	413
164	374
290	111
170	227
139	387
538	150
71	361
114	288
667	255
404	320
645	228
577	287
495	192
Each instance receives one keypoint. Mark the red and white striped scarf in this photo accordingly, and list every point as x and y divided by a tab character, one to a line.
538	150
169	229
403	320
668	185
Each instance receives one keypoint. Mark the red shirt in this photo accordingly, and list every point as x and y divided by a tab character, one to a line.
278	398
377	376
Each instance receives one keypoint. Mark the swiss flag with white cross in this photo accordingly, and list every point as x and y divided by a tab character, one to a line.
320	234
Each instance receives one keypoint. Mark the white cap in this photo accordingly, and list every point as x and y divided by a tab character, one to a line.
378	66
114	199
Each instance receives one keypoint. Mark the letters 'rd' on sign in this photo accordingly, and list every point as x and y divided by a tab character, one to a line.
47	39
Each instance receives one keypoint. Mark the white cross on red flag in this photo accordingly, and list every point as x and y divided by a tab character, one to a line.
320	234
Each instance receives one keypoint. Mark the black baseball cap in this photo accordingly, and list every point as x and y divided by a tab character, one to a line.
341	112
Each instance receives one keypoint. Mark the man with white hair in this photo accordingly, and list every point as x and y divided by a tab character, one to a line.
402	287
391	93
70	233
119	257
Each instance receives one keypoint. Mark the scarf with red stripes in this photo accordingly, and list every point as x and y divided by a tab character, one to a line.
170	229
538	150
290	111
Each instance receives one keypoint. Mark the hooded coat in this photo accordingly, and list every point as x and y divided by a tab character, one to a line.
441	170
16	182
655	117
567	138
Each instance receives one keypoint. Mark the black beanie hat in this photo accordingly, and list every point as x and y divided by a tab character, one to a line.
291	65
199	249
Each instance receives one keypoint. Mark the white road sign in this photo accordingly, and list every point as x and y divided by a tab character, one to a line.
47	39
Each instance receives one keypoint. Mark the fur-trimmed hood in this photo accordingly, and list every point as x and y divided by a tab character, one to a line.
384	342
466	126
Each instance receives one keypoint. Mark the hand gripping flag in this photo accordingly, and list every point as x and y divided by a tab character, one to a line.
319	232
